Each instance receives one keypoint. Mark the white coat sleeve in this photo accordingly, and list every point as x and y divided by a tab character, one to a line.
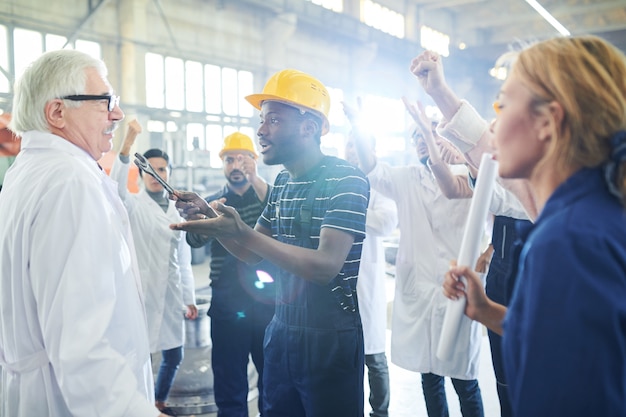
468	131
504	203
382	215
186	272
119	174
383	181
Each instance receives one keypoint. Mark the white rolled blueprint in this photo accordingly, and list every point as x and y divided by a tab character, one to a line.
470	251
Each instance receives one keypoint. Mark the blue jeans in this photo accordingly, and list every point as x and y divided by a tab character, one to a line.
378	377
170	361
435	396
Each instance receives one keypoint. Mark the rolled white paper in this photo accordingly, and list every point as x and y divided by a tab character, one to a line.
469	252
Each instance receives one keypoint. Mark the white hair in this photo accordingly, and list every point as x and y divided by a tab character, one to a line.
54	74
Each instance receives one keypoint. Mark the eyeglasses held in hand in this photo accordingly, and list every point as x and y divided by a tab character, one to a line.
112	100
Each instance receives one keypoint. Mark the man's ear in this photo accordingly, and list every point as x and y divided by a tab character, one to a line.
550	120
311	127
55	113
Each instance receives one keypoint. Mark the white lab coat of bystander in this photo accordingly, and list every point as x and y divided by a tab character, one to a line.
430	236
163	287
382	218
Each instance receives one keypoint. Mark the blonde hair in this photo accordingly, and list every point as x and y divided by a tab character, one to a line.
587	77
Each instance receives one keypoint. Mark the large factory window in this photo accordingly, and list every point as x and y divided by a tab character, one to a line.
193	86
175	84
434	40
209	98
381	18
334	5
213	89
155	81
28	45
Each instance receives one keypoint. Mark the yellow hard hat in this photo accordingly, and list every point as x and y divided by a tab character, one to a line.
238	142
296	89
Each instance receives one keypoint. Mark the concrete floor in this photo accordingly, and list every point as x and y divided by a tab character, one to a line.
406	394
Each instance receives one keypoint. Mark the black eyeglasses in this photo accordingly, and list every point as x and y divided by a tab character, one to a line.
112	100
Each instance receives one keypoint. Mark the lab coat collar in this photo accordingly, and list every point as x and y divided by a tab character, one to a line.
34	139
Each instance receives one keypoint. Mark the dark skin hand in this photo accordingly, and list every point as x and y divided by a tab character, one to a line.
222	222
252	245
193	207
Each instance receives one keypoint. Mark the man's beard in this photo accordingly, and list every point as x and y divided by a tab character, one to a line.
237	183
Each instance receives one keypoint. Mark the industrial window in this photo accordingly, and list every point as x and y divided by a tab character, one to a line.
54	42
382	18
434	40
28	45
88	47
175	84
194	86
195	136
213	89
155	81
334	5
230	98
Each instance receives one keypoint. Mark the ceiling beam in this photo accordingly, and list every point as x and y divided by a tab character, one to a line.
561	13
86	19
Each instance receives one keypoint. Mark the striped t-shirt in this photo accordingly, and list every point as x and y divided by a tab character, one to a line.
341	204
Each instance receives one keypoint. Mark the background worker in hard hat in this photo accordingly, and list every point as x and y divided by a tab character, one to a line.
314	344
242	300
164	259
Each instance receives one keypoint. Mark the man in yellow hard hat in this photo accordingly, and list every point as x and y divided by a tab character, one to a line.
242	299
312	228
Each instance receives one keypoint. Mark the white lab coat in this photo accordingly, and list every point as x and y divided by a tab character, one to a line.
164	262
73	338
464	130
431	230
382	218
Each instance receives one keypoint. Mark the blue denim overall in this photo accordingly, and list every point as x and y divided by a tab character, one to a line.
314	355
499	286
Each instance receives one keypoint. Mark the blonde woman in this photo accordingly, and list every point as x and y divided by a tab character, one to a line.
561	124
